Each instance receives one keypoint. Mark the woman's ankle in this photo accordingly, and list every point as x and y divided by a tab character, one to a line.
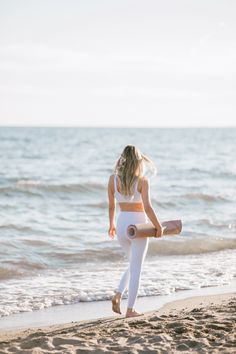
130	309
118	294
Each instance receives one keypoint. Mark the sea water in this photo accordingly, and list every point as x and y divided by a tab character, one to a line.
54	245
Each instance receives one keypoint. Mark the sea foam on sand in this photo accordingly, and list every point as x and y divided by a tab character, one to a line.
201	324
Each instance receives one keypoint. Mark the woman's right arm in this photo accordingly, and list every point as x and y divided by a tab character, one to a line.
112	207
148	207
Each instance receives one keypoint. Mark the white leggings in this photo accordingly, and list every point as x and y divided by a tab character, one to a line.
135	251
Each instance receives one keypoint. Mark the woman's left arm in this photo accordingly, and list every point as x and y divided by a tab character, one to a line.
112	208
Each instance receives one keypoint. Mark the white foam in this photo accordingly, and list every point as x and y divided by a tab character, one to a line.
162	276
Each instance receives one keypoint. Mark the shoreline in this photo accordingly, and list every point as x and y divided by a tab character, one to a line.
200	323
82	311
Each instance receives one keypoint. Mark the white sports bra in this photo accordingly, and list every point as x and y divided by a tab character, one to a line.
134	198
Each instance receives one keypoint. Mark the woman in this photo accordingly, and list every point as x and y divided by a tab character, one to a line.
130	188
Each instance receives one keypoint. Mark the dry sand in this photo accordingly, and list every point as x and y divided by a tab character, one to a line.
202	324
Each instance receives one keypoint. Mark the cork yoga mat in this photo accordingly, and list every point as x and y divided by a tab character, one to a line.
171	227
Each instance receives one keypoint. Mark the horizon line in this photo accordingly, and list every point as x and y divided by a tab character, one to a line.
117	126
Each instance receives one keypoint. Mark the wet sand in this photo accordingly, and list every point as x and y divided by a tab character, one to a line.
201	324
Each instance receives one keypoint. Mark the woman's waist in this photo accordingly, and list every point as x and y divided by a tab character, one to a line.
131	217
131	207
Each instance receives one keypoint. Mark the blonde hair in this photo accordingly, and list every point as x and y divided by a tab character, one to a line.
129	166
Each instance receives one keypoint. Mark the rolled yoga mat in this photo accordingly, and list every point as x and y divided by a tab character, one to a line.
171	227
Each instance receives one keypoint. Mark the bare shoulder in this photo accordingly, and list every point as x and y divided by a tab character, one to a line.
111	181
143	180
111	177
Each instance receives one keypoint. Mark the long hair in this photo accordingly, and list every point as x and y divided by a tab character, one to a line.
129	166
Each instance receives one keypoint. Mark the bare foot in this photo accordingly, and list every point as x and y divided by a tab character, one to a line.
133	313
116	303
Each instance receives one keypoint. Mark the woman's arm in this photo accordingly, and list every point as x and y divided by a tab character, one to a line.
148	207
112	207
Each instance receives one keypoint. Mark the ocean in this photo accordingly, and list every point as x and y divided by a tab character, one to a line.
54	245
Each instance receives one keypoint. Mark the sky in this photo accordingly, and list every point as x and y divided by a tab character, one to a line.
118	63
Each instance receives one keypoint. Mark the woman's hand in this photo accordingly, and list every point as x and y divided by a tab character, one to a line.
112	231
160	231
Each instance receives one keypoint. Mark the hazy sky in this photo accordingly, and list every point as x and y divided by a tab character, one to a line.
118	63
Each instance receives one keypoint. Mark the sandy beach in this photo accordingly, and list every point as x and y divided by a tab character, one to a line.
201	324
